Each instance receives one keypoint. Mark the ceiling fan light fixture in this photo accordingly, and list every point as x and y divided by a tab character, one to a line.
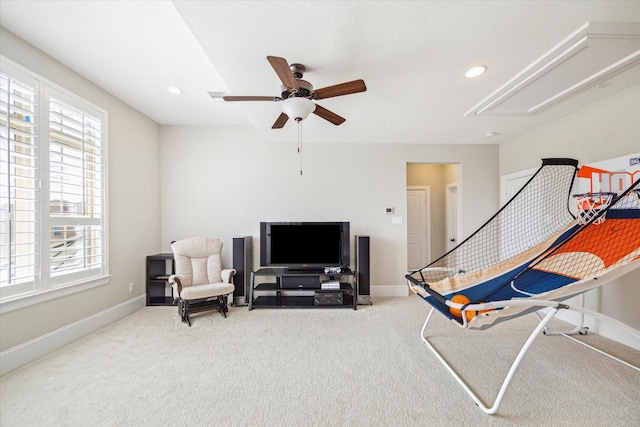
297	108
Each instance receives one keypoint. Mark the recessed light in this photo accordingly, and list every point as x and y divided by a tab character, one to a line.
475	71
490	134
174	90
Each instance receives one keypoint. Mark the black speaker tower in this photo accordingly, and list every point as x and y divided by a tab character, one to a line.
363	274
242	263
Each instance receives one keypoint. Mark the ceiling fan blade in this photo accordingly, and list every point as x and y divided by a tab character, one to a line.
280	121
341	89
283	71
328	115
250	98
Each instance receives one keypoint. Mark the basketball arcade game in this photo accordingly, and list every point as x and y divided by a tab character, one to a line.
534	254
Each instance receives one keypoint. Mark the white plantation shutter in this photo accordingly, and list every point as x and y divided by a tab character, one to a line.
19	208
53	190
76	190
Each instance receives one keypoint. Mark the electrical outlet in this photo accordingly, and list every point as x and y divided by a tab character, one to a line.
132	287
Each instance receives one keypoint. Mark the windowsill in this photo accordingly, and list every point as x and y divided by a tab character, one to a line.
22	301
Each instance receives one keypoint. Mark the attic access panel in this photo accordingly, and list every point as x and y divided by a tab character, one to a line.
595	52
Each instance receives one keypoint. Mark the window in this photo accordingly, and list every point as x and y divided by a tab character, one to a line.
18	184
53	231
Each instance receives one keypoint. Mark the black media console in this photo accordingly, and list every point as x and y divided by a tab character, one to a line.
159	268
282	287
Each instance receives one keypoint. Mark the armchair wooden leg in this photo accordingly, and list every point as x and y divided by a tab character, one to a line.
187	307
183	311
223	306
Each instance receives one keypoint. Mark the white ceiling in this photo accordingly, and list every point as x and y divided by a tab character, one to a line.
411	54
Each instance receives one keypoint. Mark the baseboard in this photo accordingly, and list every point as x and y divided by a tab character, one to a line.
389	291
601	328
34	349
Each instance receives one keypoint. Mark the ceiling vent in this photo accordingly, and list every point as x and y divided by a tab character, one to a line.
595	52
217	96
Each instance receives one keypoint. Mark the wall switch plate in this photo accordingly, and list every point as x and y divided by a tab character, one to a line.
396	220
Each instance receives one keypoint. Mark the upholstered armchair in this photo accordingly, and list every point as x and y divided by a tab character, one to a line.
200	283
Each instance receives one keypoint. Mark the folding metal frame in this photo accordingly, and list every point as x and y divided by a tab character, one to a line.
554	308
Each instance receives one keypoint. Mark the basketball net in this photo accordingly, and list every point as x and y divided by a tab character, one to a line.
589	206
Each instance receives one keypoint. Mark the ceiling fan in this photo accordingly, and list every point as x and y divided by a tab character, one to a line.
297	94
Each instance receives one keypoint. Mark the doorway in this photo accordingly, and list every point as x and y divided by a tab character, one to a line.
418	226
437	177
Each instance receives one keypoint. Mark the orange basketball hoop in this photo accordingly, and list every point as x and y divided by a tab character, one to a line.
589	206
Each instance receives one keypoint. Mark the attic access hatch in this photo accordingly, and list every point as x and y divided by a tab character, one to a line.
595	52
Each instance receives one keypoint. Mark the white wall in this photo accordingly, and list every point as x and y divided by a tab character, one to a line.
134	205
604	130
221	182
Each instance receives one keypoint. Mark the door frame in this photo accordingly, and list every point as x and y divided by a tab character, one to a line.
505	179
452	224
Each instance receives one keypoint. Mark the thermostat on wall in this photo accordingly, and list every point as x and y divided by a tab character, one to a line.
388	210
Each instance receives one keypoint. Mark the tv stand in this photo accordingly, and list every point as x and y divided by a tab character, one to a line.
282	287
305	270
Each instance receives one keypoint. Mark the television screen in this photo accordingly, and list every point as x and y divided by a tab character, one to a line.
304	244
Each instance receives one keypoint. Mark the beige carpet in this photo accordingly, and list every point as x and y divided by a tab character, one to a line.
317	367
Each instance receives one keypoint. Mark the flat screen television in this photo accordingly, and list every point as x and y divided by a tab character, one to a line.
304	244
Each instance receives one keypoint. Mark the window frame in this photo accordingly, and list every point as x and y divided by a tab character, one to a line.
45	285
14	169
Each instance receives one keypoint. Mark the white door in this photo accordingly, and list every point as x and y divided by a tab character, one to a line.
418	224
510	184
513	182
452	215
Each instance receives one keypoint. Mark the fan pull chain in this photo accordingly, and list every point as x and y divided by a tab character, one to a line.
300	144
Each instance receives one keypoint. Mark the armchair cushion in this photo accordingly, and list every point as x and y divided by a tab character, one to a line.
198	261
206	291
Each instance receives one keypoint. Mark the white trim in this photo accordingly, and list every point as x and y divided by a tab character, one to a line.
389	291
594	325
457	225
21	301
29	351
